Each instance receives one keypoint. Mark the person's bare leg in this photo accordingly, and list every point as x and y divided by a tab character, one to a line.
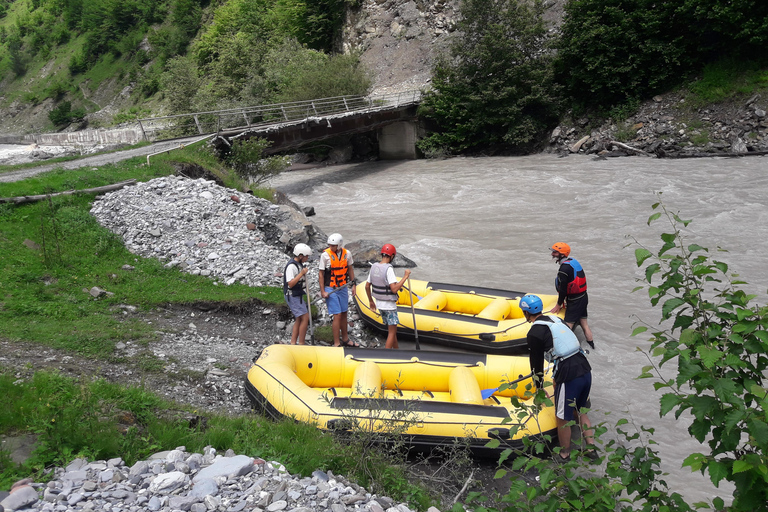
392	337
563	437
586	429
587	331
344	326
336	326
303	322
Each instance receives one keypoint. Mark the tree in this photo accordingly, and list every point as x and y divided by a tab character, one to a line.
495	88
246	158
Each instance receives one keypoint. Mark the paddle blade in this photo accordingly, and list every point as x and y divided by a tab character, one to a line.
486	393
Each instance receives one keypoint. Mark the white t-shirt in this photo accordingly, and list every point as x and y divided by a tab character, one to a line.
387	305
291	272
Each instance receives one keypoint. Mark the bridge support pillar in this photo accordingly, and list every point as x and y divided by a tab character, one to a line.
397	141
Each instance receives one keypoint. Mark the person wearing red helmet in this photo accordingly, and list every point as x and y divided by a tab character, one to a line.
571	285
383	285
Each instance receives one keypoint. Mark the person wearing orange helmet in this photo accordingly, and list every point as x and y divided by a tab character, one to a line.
571	285
383	285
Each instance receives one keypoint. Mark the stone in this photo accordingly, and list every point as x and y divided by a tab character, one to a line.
20	497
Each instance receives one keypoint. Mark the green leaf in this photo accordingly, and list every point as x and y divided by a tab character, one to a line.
641	255
740	465
722	267
639	330
670	305
696	247
653	217
668	402
717	471
651	270
759	431
667	246
710	356
501	473
695	461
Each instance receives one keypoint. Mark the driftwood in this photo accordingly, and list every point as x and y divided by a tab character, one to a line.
728	154
96	190
629	148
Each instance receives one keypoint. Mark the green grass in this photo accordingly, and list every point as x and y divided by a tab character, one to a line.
43	296
727	79
101	420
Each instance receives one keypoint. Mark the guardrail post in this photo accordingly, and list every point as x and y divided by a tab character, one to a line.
143	133
197	123
345	103
285	115
245	118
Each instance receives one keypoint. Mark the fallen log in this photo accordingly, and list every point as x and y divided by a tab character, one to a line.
629	148
96	190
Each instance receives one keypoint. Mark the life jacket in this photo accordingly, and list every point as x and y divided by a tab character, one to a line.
298	290
379	287
579	283
336	276
564	342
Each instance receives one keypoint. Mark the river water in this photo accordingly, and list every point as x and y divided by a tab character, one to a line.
491	221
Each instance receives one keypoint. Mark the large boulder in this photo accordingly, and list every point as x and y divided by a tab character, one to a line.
367	252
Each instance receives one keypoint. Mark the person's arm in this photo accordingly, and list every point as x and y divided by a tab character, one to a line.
536	356
395	287
563	279
351	274
370	295
293	282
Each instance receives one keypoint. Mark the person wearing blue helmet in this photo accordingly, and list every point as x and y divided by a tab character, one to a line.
552	340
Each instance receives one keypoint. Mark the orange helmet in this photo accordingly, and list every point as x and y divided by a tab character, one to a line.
562	248
389	250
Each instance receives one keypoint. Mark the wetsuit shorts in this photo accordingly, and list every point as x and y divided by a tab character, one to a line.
576	308
337	300
572	395
297	305
389	316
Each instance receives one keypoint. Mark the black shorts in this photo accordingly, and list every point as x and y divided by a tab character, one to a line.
576	308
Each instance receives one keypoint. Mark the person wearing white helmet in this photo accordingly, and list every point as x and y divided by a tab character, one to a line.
336	274
293	290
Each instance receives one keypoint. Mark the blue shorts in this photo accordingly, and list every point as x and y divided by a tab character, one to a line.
338	300
297	305
574	391
389	316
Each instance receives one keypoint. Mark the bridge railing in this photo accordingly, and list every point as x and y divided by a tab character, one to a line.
202	123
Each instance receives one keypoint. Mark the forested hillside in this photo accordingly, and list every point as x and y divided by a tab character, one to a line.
502	73
131	57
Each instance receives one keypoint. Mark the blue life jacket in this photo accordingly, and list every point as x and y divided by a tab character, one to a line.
564	342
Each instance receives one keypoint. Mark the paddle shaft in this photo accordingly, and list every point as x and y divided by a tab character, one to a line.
413	312
309	307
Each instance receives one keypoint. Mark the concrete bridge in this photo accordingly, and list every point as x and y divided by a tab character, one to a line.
291	125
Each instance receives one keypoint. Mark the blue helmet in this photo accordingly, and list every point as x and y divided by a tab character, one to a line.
531	304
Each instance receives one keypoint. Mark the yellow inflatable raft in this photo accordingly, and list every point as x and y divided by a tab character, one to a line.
468	317
429	397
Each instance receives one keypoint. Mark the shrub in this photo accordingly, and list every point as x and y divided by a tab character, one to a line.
247	159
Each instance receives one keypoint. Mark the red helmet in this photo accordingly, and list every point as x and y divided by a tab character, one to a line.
562	248
389	250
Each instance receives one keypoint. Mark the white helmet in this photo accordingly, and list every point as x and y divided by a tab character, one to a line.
302	250
335	239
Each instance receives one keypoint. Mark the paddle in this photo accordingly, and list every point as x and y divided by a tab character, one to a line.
309	307
413	312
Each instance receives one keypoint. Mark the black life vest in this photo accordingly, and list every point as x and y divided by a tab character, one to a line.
298	290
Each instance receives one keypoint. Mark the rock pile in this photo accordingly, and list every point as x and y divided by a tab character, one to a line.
192	482
665	126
